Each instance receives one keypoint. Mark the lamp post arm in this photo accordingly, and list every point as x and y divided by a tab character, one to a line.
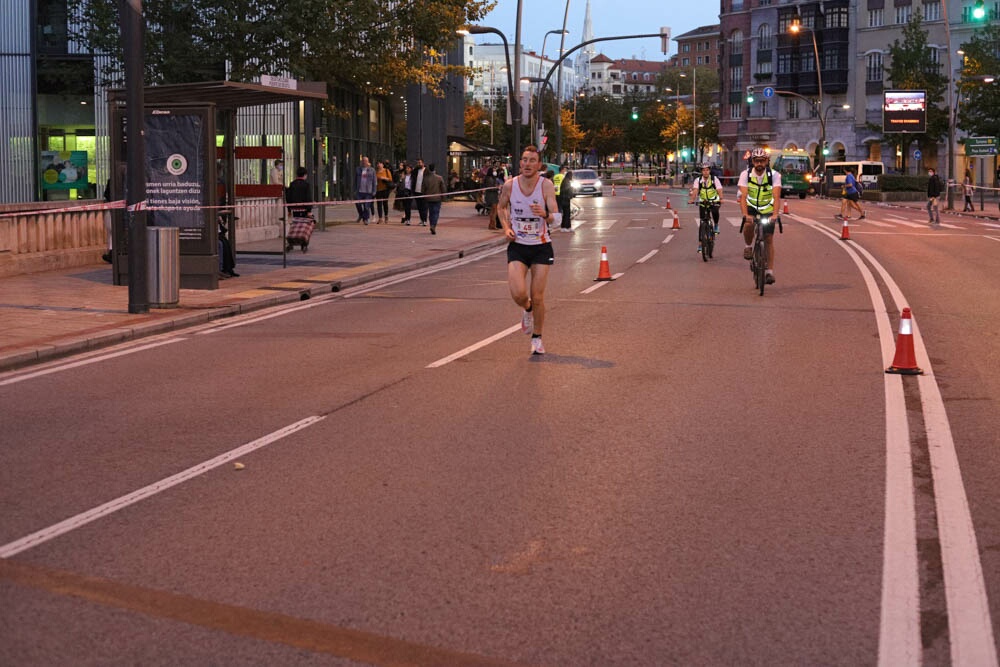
558	63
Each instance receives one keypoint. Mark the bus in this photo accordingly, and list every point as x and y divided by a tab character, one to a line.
864	170
795	167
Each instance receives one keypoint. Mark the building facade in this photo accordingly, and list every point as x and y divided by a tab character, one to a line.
845	43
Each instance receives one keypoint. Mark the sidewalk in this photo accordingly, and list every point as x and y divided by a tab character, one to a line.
56	313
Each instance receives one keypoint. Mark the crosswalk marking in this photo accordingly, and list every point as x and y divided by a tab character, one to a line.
876	223
907	223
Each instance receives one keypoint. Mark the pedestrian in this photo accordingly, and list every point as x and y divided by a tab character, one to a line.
278	173
525	208
934	189
404	188
383	176
969	189
563	182
491	195
419	172
365	184
851	196
434	190
298	192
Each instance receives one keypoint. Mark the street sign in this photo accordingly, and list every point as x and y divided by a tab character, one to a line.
917	154
769	92
980	146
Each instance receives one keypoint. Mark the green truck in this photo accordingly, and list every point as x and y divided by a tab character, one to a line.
796	171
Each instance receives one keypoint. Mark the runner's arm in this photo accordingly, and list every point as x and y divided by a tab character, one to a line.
503	209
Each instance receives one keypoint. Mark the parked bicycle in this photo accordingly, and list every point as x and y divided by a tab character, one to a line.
758	259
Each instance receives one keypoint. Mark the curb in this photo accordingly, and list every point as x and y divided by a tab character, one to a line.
116	335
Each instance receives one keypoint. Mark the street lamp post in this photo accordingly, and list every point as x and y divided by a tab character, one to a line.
538	102
569	52
951	107
512	93
537	127
796	28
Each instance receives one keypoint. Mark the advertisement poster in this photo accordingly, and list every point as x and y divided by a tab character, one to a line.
64	170
175	171
904	111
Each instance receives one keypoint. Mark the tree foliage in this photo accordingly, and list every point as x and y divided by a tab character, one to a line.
911	67
370	45
980	99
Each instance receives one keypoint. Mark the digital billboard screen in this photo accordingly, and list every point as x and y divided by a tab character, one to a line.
904	111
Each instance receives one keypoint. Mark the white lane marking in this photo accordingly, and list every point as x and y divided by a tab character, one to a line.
648	255
876	223
475	346
969	623
60	366
668	222
601	284
991	238
990	224
735	222
315	302
53	531
668	239
907	223
899	625
947	226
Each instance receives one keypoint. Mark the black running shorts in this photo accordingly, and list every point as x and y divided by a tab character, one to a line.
530	254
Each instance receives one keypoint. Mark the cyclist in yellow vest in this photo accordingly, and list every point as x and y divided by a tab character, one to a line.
708	190
760	193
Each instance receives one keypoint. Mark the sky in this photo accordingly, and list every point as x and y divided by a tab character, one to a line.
608	20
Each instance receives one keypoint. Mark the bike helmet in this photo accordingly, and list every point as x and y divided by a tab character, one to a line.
705	165
758	152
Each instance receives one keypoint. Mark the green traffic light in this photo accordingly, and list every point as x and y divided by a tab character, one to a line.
749	99
979	11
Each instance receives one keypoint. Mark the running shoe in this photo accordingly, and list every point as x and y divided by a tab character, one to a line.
748	252
716	230
769	277
699	249
862	217
527	322
536	345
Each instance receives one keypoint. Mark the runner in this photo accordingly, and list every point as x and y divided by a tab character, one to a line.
526	207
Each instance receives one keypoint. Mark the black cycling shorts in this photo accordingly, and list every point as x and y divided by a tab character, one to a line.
769	230
530	254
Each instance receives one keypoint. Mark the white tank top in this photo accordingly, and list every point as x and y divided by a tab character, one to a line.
529	229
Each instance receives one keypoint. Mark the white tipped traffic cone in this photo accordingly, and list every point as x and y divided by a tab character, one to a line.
905	361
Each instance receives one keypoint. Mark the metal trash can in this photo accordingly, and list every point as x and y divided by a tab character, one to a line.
163	259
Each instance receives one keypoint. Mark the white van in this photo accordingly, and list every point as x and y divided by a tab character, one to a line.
865	171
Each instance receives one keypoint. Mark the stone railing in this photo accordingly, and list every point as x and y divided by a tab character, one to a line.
36	239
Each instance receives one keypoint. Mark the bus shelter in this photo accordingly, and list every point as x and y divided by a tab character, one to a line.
186	182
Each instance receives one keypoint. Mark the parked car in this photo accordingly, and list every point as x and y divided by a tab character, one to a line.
586	182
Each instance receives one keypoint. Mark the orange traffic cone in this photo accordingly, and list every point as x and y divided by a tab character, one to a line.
643	195
630	187
668	203
613	193
845	232
905	361
677	221
785	208
604	272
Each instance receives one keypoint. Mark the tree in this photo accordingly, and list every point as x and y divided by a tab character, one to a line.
572	135
362	44
977	113
911	68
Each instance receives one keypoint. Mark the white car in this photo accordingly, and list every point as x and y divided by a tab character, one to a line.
586	182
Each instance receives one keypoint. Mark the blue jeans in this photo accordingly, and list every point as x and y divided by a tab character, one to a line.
434	212
366	208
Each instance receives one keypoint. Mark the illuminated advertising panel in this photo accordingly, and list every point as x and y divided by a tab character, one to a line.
904	111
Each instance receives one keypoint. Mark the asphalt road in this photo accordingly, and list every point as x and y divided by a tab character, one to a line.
693	474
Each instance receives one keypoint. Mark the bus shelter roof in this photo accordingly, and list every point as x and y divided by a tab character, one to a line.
227	94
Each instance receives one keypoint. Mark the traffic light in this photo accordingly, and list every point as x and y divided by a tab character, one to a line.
826	148
635	113
749	94
978	11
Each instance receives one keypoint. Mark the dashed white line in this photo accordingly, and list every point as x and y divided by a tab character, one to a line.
82	519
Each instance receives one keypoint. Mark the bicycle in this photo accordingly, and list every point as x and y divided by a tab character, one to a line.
706	230
758	260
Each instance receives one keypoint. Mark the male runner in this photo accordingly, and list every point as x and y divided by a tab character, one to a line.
526	205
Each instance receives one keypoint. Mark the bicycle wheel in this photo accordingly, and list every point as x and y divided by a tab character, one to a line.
710	243
703	239
760	264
